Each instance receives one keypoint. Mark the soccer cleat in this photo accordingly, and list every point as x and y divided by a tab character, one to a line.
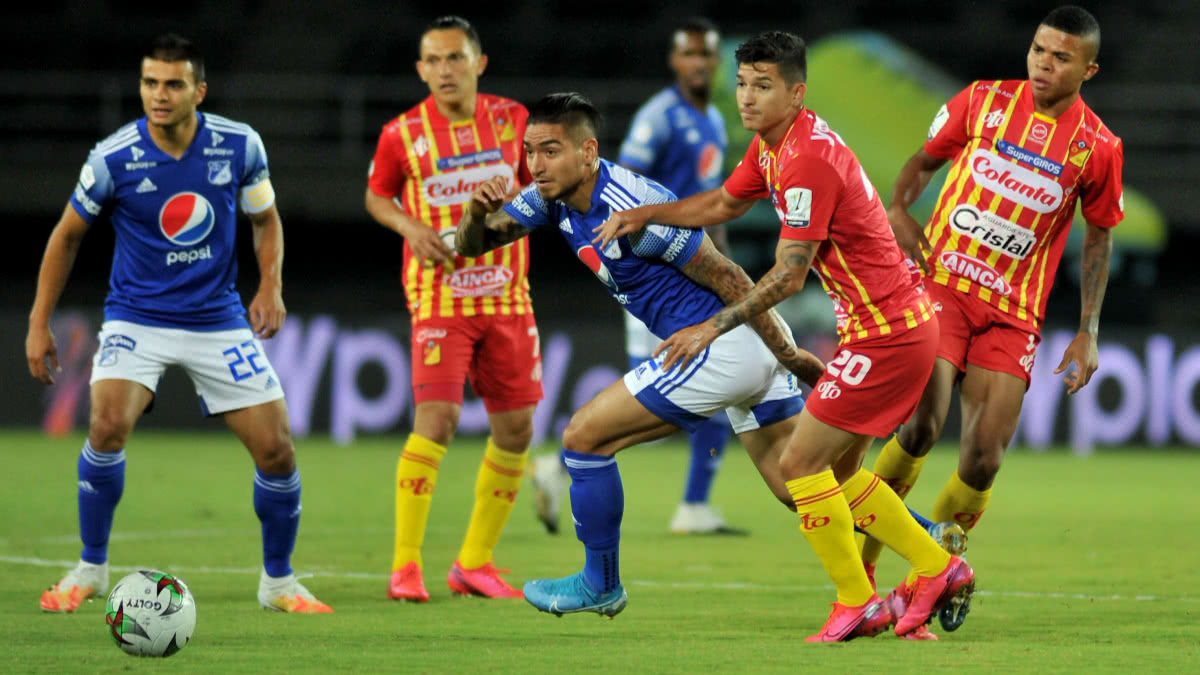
927	595
483	581
569	595
287	594
79	584
897	602
549	481
846	623
702	519
407	584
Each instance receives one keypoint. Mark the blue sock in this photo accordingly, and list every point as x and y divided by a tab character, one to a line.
597	503
101	482
277	503
925	522
709	438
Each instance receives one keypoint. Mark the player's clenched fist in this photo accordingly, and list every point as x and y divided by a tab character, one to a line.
489	196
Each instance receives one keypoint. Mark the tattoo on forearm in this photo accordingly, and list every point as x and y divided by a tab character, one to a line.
1097	250
474	238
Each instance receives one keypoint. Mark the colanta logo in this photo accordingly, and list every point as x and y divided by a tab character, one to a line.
1015	182
186	218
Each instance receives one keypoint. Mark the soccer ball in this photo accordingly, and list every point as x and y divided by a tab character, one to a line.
150	613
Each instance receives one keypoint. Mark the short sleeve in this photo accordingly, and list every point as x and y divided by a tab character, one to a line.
811	191
948	131
94	190
528	208
673	245
648	135
386	175
747	181
256	194
1102	194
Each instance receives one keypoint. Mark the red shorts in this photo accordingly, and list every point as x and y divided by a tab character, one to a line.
500	354
978	333
873	386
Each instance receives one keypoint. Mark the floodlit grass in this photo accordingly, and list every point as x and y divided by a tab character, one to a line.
1083	564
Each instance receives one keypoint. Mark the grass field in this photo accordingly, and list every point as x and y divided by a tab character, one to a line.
1083	564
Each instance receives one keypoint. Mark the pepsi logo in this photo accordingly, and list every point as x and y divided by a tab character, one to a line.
186	218
710	161
591	258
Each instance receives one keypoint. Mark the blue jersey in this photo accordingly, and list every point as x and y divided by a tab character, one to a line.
641	271
675	144
175	261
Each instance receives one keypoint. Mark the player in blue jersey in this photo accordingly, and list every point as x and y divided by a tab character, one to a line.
170	183
668	278
677	138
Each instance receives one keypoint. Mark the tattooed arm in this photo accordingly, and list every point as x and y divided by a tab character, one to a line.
1083	352
792	260
484	226
709	268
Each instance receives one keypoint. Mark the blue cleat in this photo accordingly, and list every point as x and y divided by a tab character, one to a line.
569	595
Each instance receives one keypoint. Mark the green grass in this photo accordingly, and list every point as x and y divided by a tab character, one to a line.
1083	564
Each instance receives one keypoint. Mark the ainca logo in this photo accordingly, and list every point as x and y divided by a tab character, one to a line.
1015	182
186	218
975	270
993	231
456	187
477	281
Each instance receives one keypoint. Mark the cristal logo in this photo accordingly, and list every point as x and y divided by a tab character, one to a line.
1015	182
993	231
483	280
975	270
186	218
710	161
452	188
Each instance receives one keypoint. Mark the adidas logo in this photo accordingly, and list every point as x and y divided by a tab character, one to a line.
565	226
87	487
136	152
271	383
146	186
217	139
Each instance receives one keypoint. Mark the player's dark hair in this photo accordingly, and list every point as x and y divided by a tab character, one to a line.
172	48
572	110
696	24
1075	21
781	48
455	22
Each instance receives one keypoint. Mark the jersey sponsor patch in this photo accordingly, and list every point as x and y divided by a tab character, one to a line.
87	176
974	269
459	161
992	231
939	121
799	207
1015	182
186	218
483	280
448	189
1029	158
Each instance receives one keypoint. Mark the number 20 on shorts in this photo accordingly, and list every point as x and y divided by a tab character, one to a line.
849	367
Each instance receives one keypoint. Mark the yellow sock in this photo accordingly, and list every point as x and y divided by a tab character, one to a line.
826	523
961	503
876	509
416	477
900	470
495	491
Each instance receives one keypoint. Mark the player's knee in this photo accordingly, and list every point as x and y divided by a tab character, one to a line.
108	430
275	453
980	465
918	435
578	438
514	437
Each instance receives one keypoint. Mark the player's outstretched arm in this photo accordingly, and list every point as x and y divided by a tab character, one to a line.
484	226
784	279
701	210
1083	351
52	279
266	310
914	177
710	268
422	239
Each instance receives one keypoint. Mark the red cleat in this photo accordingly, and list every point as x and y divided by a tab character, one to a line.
407	584
897	601
483	581
846	623
928	594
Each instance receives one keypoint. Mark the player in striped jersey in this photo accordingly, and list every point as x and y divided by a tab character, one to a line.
833	223
1023	153
170	183
471	315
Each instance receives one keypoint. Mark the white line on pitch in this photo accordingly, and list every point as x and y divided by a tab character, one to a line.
721	586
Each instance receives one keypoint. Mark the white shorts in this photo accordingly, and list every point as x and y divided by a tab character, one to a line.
640	343
737	373
229	368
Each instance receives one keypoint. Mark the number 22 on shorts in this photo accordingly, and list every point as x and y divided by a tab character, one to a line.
235	358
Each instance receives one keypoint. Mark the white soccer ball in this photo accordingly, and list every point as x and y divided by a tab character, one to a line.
150	613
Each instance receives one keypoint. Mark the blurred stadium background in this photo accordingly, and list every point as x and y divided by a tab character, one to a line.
319	79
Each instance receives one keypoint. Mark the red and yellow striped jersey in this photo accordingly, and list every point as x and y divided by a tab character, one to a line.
821	193
1003	215
431	166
